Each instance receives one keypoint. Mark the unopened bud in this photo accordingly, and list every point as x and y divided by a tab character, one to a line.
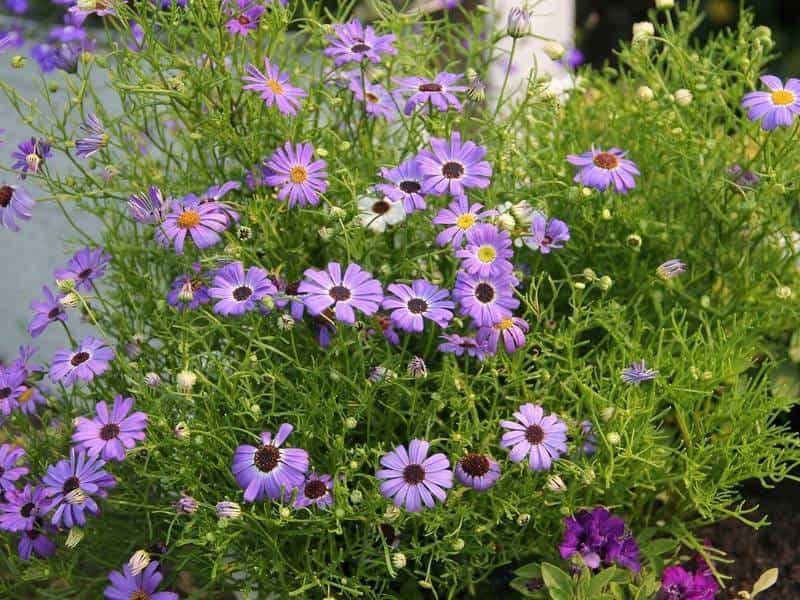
356	497
65	285
519	22
74	537
645	94
152	379
186	380
613	438
643	30
554	50
138	562
683	97
398	560
181	431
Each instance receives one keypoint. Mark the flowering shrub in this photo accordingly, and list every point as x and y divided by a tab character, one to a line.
363	332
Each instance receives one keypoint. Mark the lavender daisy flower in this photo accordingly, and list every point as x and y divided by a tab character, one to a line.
90	359
412	479
270	471
546	234
80	11
150	208
461	216
478	471
511	331
29	399
141	586
600	539
353	42
202	221
411	305
541	438
600	170
405	185
487	251
776	108
356	289
488	300
96	139
22	508
300	179
71	483
237	290
459	345
110	433
84	267
189	291
10	471
11	380
287	295
451	167
378	102
274	87
245	18
316	491
438	93
35	542
670	269
638	373
31	155
46	312
15	203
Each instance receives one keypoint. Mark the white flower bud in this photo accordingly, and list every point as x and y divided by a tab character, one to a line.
665	4
683	97
605	283
138	562
554	50
783	292
556	484
74	537
285	512
399	560
645	94
613	438
643	30
186	380
70	300
351	422
607	413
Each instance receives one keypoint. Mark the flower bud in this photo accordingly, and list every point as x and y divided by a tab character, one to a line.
417	368
356	497
17	62
457	545
181	431
138	562
186	380
186	505
65	285
683	97
505	221
476	92
783	292
70	300
286	322
556	484
613	438
285	512
634	241
351	423
523	519
152	379
392	513
398	560
228	510
643	30
665	4
606	215
554	50
605	283
645	94
607	413
519	22
74	537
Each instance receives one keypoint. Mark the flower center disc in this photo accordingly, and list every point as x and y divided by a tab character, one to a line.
71	483
360	47
79	358
109	432
276	87
242	293
6	192
267	458
782	97
339	293
465	221
381	207
487	254
298	174
534	434
189	219
315	489
605	160
430	87
417	306
26	510
410	186
414	474
373	98
452	170
484	292
475	465
5	393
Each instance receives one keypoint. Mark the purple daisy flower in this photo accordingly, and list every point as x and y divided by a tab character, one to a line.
71	483
31	155
110	433
546	234
405	186
386	327
274	87
512	331
46	312
29	399
487	251
22	508
461	216
11	380
189	291
245	17
15	203
638	373
541	438
90	359
300	179
412	479
356	289
411	305
438	93
10	471
478	471
488	300
315	491
378	102
140	586
287	295
458	345
353	42
84	267
237	290
35	542
150	208
776	108
600	539
744	178
451	167
96	139
202	221
270	471
600	170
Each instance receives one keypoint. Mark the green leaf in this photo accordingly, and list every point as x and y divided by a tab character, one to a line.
530	571
601	580
557	582
765	581
660	547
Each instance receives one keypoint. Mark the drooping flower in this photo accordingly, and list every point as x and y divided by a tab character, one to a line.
11	380
413	479
542	439
356	289
300	179
84	267
46	312
378	102
10	469
23	507
96	139
149	208
203	222
670	269
245	16
776	108
237	291
405	185
270	471
90	359
376	213
36	542
638	373
141	586
274	87
31	155
353	42
600	169
186	505
600	539
478	471
287	294
29	399
412	304
679	583
315	491
487	300
15	203
189	291
110	433
437	93
461	216
459	345
546	234
71	483
487	251
511	331
451	167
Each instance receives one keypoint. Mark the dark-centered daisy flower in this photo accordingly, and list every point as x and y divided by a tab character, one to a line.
90	359
31	155
23	507
315	491
478	471
776	108
638	373
413	479
269	471
546	234
96	136
378	102
71	483
344	293
202	221
274	87
11	380
237	291
190	290
46	312
411	305
487	251
15	203
299	178
459	345
140	586
461	216
600	169
542	439
149	208
353	42
511	331
36	542
438	93
245	16
10	469
84	267
451	167
405	185
110	433
488	300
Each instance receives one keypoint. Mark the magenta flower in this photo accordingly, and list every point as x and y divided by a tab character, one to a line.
451	167
274	87
488	300
478	471
10	470
84	267
109	434
315	491
438	93
414	480
22	508
411	305
46	312
203	222
141	586
600	170
300	179
15	203
353	42
487	251
90	359
542	439
245	17
460	345
776	108
355	290
461	216
511	331
237	291
546	235
599	539
71	483
405	185
679	583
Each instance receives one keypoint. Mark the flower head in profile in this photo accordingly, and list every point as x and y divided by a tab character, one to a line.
413	479
487	251
35	541
22	508
149	208
47	311
352	42
378	213
315	491
72	484
15	203
438	93
538	437
90	359
461	216
487	300
459	345
270	471
412	304
190	290
11	387
546	234
451	167
10	469
343	293
777	107
300	178
87	265
96	137
638	373
599	539
478	471
404	184
31	156
245	16
111	432
274	87
670	269
511	331
378	102
126	585
601	169
237	291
